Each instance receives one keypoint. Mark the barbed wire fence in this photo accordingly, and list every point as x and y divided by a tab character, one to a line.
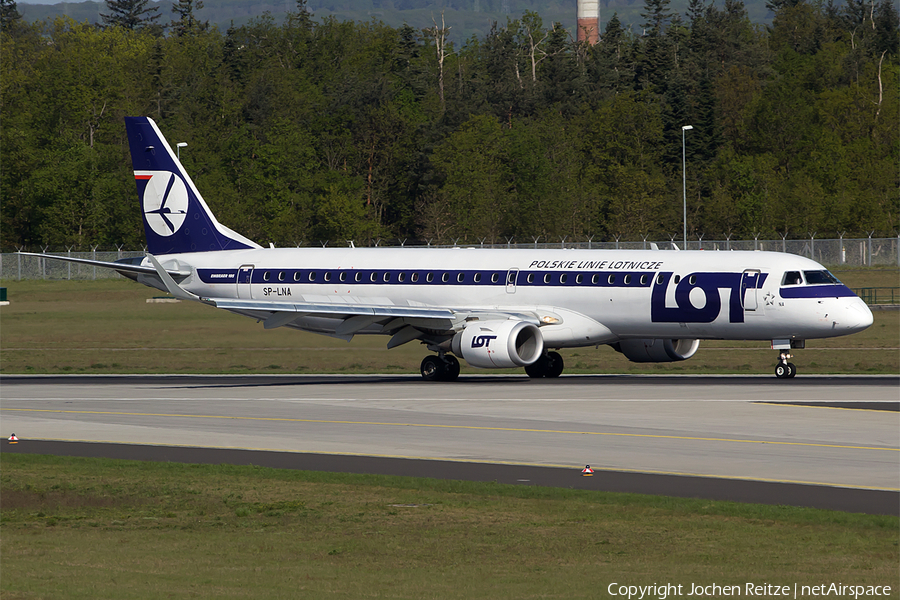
833	253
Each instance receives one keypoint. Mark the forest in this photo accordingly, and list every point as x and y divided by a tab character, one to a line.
313	130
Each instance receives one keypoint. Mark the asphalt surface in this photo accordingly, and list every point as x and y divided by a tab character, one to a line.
824	442
830	498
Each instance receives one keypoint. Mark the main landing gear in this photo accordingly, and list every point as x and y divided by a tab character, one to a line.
443	367
548	365
784	369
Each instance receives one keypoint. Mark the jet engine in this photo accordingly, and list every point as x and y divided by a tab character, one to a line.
657	350
490	344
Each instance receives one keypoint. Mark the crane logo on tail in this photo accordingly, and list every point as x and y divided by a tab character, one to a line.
165	201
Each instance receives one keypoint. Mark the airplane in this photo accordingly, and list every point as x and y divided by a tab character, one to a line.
505	308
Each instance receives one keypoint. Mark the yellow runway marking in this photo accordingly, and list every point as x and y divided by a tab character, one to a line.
438	426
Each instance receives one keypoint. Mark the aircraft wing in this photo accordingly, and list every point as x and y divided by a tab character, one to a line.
334	310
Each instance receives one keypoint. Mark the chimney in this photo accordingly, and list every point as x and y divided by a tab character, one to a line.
588	21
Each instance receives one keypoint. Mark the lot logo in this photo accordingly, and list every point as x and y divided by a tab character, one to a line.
483	341
165	202
697	298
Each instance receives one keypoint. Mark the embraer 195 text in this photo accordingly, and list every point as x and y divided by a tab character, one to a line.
492	308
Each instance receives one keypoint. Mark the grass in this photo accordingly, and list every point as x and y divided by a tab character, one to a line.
57	327
99	528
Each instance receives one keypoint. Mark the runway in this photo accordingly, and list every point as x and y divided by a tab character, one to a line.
709	427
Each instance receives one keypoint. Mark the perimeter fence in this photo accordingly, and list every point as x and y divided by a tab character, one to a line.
851	252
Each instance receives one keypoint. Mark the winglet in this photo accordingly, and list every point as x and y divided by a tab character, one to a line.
173	288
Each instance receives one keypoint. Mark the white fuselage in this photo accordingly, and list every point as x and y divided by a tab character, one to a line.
629	293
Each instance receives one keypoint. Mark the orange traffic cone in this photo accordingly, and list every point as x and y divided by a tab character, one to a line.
13	439
587	471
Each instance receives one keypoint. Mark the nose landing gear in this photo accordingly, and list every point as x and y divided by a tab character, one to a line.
784	369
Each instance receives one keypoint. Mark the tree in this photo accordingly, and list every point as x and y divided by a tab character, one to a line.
656	61
439	35
186	23
9	14
477	180
131	14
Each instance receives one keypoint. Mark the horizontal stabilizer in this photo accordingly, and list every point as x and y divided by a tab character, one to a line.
122	267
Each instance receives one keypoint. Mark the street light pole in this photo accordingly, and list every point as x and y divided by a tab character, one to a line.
684	182
180	145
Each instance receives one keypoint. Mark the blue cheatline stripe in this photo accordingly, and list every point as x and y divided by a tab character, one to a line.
817	291
618	279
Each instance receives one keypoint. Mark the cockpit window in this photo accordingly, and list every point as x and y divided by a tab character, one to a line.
819	277
791	278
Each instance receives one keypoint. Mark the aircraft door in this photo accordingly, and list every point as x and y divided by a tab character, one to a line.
749	289
511	277
245	276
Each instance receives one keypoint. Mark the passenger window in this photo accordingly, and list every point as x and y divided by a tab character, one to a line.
644	280
477	277
343	276
429	278
579	278
401	277
611	279
312	275
415	277
563	278
373	277
547	278
445	277
327	276
297	276
358	276
266	276
387	277
677	279
627	279
460	278
791	278
530	278
281	276
495	278
595	279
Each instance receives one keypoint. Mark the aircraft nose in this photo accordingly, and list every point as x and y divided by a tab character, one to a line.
860	317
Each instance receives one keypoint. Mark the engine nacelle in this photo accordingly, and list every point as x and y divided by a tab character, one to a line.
657	350
505	344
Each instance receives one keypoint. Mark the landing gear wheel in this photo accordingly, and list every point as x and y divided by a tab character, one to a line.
537	369
451	368
433	368
782	371
792	370
548	365
555	368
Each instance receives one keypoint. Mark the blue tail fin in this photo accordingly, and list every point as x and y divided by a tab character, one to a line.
176	219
